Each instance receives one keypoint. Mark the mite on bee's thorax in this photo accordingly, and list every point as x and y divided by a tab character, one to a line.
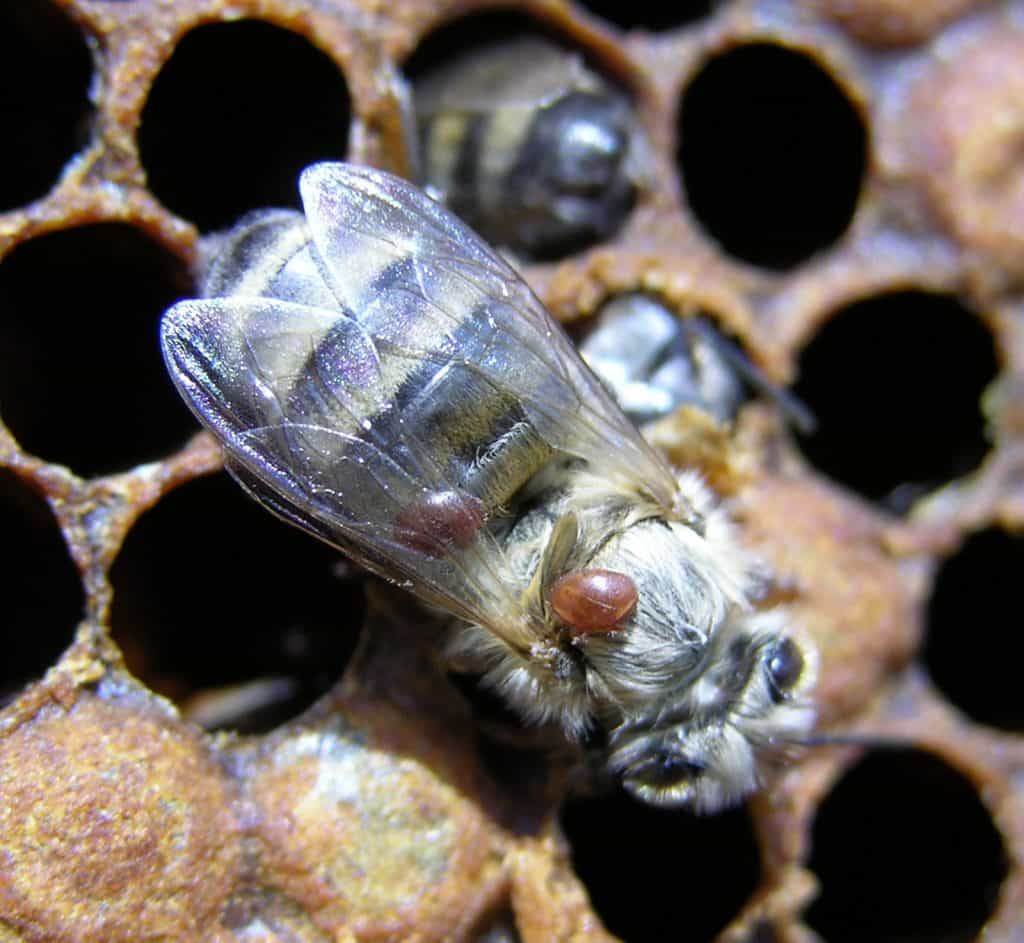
522	140
381	378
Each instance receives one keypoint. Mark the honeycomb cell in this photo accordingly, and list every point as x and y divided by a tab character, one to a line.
649	16
45	70
234	116
964	136
543	168
215	599
653	362
772	154
83	383
395	810
39	586
110	812
659	874
893	22
972	648
895	383
375	841
904	851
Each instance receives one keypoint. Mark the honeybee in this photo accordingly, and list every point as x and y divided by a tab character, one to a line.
381	378
532	149
653	362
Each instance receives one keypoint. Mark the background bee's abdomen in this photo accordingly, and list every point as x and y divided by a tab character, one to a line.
530	147
488	149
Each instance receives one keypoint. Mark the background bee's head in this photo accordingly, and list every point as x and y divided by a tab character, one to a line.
704	746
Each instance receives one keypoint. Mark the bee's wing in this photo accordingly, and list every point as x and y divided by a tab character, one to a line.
425	283
528	73
232	358
299	398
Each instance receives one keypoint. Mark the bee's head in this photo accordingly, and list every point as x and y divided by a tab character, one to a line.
702	746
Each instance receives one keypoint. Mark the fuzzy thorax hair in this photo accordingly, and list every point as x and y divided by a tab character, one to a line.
688	582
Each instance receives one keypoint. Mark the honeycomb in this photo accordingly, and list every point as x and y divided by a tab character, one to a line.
213	730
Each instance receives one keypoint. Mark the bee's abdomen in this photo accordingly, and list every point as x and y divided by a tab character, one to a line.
266	254
535	179
401	388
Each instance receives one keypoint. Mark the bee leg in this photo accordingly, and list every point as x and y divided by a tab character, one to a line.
501	469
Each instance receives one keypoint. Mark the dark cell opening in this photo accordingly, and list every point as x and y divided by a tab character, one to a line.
973	644
45	71
488	706
762	933
39	585
895	383
658	874
654	16
82	382
212	592
905	851
234	116
468	32
771	153
497	927
517	755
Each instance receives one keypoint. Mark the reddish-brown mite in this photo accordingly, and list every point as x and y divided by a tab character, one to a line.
591	601
442	519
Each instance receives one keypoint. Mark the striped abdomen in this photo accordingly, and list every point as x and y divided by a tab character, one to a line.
409	392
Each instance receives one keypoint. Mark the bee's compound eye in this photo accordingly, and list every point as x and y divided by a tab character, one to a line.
590	601
440	520
784	664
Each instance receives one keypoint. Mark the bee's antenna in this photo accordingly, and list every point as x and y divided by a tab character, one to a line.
793	408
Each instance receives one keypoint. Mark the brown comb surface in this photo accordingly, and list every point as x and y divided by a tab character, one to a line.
840	185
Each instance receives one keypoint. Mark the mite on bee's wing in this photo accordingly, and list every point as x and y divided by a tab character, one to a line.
534	150
379	377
